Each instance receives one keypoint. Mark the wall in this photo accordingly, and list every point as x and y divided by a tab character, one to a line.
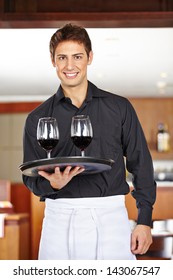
11	127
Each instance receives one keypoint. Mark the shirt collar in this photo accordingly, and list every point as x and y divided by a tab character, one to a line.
93	92
59	94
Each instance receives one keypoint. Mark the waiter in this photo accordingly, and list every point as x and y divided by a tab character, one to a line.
85	216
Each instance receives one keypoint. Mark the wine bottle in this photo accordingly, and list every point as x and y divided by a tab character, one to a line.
163	138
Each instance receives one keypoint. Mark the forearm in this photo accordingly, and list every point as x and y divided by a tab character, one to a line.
38	185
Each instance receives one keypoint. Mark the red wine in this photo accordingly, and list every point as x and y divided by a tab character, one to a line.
48	144
81	141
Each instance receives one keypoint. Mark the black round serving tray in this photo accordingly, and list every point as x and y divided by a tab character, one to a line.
92	165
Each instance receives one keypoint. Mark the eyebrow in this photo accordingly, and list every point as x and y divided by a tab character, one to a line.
72	54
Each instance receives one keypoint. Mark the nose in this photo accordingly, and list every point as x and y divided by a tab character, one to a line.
70	64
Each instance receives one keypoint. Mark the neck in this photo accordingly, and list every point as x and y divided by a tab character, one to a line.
76	94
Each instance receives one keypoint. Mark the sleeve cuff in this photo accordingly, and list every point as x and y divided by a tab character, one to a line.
144	216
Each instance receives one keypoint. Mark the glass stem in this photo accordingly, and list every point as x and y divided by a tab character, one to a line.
48	154
82	153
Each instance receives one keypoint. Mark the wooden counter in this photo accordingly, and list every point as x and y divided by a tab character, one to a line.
15	243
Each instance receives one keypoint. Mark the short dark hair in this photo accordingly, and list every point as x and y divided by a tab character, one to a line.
70	32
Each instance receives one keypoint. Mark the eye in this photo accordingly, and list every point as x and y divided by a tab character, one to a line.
78	57
61	57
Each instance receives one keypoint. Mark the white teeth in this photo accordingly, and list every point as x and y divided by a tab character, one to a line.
71	75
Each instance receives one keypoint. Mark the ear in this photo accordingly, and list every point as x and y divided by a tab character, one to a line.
90	58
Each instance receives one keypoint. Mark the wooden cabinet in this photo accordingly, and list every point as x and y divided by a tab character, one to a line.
15	243
150	112
37	214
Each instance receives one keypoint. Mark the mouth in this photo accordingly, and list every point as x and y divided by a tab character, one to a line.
71	75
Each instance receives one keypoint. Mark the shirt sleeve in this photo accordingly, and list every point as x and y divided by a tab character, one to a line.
139	164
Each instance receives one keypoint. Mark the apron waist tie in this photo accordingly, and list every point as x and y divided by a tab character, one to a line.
71	235
99	254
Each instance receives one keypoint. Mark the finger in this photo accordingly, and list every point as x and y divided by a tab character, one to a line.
145	249
67	170
144	245
134	249
44	174
140	249
57	170
81	169
77	170
134	243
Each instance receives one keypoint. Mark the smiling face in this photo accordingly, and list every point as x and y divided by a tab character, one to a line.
71	61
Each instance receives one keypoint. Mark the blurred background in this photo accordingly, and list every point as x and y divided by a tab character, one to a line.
132	43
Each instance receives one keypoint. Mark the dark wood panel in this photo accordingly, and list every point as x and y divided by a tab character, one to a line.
83	6
19	6
88	20
98	6
18	107
20	198
53	14
1	8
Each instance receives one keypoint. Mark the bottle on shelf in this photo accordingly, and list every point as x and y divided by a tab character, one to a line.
163	138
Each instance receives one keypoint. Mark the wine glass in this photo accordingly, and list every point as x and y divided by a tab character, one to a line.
47	134
81	132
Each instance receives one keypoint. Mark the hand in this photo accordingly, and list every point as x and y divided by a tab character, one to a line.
141	239
59	179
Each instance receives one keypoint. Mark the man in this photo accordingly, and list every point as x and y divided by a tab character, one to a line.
85	215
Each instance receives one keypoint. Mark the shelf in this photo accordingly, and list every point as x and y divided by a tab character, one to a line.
161	155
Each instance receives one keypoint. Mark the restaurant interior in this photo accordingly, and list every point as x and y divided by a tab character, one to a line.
132	44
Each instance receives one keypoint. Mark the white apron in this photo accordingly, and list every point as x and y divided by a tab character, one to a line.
86	228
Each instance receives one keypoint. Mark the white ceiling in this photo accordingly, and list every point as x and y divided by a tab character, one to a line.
127	61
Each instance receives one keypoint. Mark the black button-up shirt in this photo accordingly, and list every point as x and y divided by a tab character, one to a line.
117	134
